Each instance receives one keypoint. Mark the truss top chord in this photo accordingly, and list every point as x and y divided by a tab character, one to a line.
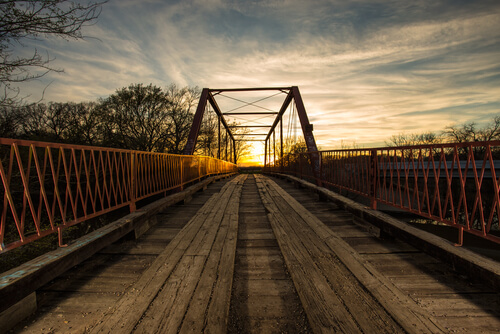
218	91
250	126
261	140
250	113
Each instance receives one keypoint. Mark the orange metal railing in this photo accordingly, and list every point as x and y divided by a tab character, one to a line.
456	184
47	187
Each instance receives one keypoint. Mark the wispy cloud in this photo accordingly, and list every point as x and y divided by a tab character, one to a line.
366	69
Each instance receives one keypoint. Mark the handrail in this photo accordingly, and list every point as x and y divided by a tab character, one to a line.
47	187
457	184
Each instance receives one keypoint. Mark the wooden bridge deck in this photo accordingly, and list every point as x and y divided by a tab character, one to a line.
256	255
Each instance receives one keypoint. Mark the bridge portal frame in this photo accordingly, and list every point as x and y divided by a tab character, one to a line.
293	94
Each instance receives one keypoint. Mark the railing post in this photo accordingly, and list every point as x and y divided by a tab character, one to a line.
133	181
300	165
319	181
182	173
374	178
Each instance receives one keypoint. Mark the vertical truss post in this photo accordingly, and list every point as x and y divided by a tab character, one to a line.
234	150
285	105
218	137
195	127
274	148
225	144
268	155
281	143
265	153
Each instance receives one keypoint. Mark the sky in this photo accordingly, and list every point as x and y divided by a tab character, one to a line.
366	69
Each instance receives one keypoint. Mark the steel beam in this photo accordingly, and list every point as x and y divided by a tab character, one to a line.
234	150
265	152
218	91
307	130
304	121
250	113
218	137
195	127
249	126
261	140
281	142
219	113
287	101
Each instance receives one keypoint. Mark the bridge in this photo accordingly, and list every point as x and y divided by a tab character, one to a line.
320	241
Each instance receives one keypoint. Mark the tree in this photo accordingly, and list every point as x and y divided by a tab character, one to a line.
34	121
137	118
180	115
491	131
242	147
414	139
47	122
206	143
10	121
23	19
469	132
87	124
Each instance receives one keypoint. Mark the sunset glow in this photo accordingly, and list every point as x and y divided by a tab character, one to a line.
366	70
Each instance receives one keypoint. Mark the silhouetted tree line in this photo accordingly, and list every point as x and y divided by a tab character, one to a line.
461	133
137	117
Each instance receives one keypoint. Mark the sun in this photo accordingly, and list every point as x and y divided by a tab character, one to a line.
255	157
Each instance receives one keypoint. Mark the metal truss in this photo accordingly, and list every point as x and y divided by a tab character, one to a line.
292	94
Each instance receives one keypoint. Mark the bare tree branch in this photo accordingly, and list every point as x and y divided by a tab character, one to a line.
33	19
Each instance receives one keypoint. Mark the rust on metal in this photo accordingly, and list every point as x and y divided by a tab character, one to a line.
47	187
453	184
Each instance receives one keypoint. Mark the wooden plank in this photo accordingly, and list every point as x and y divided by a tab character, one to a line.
97	284
140	296
19	282
350	231
17	312
264	299
272	286
460	304
218	310
162	316
364	310
195	319
469	324
477	267
53	299
323	308
372	245
402	308
220	230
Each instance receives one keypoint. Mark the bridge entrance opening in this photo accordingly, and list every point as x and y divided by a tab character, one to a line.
234	124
